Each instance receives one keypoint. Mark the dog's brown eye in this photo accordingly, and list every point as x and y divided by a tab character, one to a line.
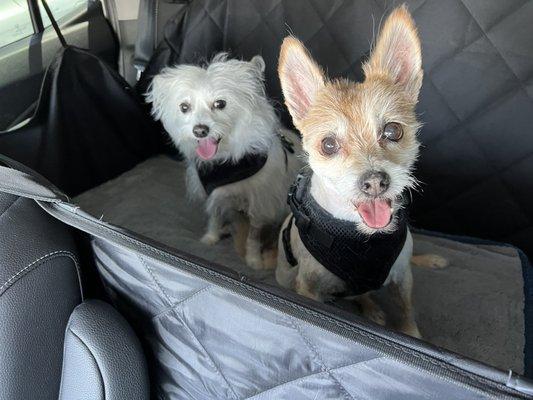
392	131
330	146
185	107
219	104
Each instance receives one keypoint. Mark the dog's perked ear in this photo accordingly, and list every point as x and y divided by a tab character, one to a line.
259	63
301	78
397	54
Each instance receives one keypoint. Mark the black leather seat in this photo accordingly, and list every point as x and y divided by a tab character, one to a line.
53	343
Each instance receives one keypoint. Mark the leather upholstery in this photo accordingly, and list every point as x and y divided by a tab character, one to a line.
103	358
39	288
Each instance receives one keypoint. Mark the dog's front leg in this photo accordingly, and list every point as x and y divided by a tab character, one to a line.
307	286
399	286
370	309
214	228
400	292
253	247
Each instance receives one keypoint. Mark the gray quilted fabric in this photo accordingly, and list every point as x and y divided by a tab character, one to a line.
210	342
476	101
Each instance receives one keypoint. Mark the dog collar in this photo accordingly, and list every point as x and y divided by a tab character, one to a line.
362	261
220	173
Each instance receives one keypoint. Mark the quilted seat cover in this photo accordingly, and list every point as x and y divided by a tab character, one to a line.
476	101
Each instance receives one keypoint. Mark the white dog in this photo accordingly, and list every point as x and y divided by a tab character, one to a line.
240	159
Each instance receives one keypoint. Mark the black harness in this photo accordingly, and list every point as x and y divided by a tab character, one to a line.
215	174
362	261
220	173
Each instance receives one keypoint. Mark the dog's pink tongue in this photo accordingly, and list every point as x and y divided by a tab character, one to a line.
375	213
207	148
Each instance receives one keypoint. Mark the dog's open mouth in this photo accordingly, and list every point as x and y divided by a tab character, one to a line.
376	213
207	147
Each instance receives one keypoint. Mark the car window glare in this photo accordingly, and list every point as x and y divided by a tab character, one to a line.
15	21
61	8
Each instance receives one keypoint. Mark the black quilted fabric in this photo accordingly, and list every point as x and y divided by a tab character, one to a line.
476	101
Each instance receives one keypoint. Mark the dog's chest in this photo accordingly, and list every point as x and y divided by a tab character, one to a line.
362	262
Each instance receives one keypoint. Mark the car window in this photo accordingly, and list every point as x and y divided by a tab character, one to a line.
15	21
60	8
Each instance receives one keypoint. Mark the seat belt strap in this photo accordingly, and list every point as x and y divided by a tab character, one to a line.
146	35
54	24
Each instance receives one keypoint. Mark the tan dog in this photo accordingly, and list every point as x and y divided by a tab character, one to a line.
361	144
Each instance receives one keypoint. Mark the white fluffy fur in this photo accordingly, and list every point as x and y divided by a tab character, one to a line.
248	124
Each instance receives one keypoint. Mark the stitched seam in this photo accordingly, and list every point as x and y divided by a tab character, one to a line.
159	287
294	325
293	381
498	51
7	284
181	302
23	193
301	378
62	208
209	358
287	303
93	357
269	296
11	205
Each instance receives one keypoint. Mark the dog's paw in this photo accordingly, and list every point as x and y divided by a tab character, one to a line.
210	239
254	262
377	315
412	331
432	261
409	327
370	309
270	258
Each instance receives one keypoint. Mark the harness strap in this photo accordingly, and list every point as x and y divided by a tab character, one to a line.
286	239
302	221
217	174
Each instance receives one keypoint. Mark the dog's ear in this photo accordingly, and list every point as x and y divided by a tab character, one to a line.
158	94
397	53
301	78
259	63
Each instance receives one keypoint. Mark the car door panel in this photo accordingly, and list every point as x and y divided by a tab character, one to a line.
23	62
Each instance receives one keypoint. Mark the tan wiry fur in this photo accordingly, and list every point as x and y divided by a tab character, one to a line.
355	114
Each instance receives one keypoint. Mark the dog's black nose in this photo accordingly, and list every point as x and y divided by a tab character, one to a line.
374	183
200	131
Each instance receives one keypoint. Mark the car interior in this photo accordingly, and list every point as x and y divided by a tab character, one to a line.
106	291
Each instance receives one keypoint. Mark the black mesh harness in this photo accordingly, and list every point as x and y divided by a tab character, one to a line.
362	261
220	173
215	174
